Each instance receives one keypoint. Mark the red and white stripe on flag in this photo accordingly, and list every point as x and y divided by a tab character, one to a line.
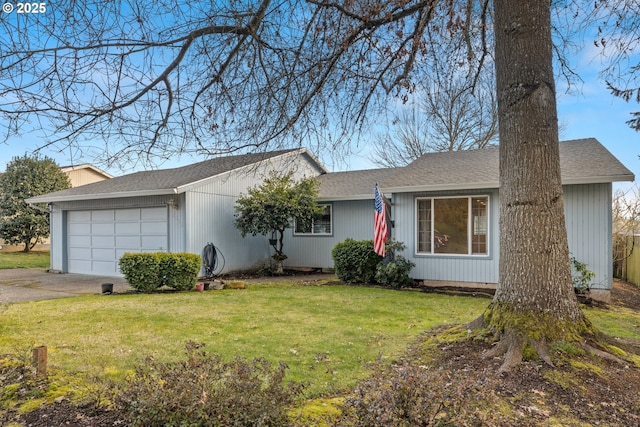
380	231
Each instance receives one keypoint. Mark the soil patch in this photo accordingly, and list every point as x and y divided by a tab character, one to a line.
626	295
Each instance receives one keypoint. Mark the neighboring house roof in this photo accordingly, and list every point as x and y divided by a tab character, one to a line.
165	181
85	166
352	185
582	161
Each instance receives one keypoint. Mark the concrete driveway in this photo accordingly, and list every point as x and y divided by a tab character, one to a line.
18	285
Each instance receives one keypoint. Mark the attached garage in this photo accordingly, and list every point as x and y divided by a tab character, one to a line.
96	239
173	210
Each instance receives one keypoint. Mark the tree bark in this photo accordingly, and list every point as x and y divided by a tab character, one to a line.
535	298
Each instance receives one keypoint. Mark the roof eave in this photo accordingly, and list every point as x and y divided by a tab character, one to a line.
486	185
345	198
101	196
599	179
195	184
440	187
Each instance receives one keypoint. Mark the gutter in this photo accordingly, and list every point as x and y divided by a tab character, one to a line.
40	208
99	196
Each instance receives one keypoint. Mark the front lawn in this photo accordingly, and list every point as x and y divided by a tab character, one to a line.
326	334
19	259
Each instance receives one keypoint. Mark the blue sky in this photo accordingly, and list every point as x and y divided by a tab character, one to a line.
590	111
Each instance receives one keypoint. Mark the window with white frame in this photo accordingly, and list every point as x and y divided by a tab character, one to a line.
321	224
452	225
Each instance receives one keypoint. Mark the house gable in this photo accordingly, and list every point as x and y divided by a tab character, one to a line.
167	181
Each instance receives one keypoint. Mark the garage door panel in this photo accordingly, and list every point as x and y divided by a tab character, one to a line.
80	254
128	242
103	254
103	241
103	228
127	214
79	216
83	241
107	215
77	265
153	243
75	229
103	267
153	214
155	228
96	239
127	227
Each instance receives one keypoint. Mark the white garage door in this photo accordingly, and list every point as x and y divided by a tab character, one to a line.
96	239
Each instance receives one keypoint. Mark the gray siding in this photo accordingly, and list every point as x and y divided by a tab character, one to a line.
588	220
350	219
210	213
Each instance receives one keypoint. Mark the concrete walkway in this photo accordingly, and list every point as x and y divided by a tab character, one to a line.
21	284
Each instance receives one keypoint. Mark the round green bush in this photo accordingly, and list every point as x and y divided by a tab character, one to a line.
355	261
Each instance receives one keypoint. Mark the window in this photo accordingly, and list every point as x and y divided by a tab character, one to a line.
452	225
321	224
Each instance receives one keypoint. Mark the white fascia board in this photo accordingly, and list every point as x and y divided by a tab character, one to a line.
488	185
440	187
342	198
598	179
186	187
101	196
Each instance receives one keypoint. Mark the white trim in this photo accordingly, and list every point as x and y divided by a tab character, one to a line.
101	196
469	253
311	233
492	185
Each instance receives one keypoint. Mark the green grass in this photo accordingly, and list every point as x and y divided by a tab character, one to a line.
326	334
33	259
616	321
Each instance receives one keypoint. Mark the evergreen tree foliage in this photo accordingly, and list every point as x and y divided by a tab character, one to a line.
273	206
27	177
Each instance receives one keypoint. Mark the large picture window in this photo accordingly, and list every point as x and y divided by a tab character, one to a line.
321	224
452	225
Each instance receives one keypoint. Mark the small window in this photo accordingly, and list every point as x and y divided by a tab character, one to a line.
452	225
321	224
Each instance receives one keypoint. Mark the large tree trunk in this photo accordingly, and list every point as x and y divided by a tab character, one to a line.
534	302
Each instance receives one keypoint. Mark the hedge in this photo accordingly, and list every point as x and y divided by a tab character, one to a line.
148	271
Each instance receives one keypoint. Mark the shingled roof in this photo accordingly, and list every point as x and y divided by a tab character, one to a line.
582	161
164	181
352	185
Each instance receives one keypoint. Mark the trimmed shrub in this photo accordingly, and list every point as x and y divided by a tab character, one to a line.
206	391
140	270
394	270
355	261
148	271
179	270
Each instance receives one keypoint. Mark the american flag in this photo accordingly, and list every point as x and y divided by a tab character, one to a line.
380	231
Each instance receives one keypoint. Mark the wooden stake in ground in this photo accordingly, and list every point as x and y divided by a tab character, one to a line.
40	360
